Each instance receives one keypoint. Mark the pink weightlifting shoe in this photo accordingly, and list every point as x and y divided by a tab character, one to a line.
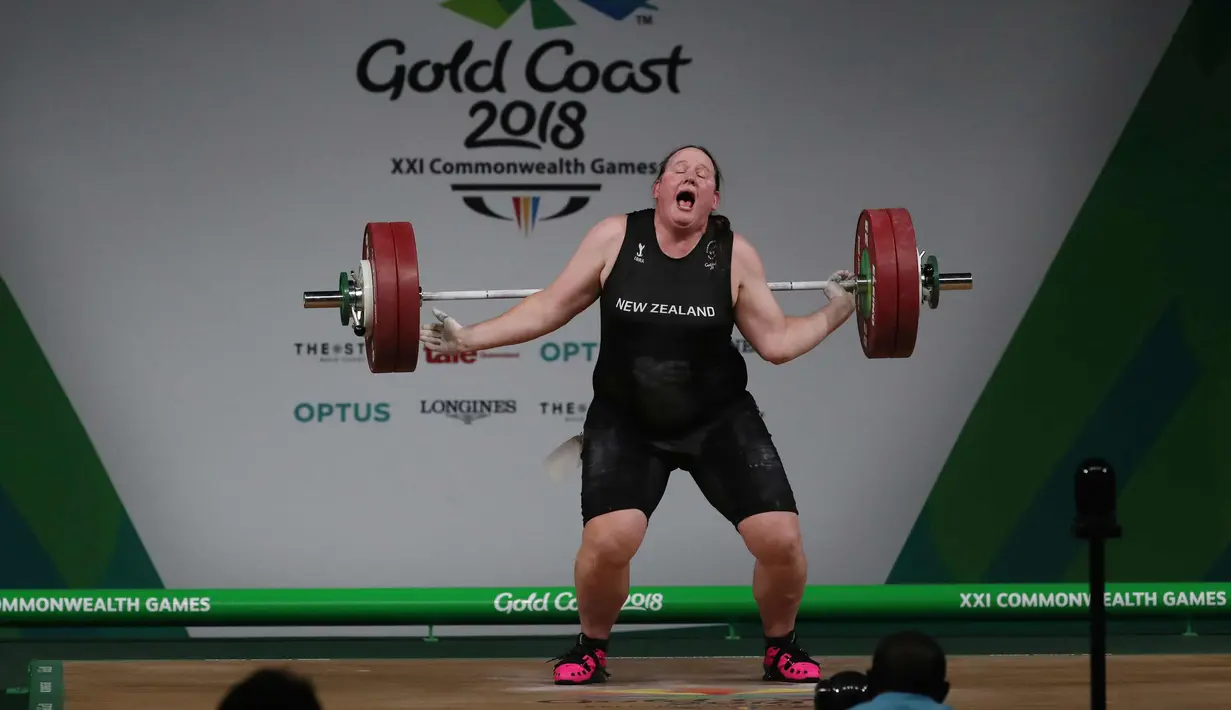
584	663
786	662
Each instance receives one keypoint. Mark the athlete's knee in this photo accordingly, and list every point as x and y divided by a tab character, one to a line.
613	538
773	538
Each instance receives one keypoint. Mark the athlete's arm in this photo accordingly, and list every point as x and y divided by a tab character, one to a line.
777	338
574	290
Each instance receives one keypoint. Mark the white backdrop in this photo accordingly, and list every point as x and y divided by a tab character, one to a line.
175	176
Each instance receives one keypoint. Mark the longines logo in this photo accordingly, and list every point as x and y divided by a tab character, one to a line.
468	411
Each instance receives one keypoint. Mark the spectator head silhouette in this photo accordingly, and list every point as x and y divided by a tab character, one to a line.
909	662
271	689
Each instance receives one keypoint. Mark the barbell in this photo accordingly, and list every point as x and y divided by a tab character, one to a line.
381	301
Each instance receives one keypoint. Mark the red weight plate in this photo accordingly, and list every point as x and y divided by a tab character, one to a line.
910	290
876	260
409	305
382	337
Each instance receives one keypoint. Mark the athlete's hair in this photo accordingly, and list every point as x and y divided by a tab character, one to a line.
662	166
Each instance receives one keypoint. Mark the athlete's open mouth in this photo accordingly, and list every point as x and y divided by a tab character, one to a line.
685	199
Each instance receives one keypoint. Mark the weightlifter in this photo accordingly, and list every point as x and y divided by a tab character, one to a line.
670	392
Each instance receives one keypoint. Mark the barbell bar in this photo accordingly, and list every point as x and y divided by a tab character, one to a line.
333	299
382	300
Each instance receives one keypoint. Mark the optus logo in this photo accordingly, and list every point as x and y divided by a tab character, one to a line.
510	603
568	350
341	412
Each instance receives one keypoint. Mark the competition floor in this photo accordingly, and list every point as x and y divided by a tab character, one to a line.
1136	682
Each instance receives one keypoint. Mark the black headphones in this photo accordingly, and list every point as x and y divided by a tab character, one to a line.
841	691
937	691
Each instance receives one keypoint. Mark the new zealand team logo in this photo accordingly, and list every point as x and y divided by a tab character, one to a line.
521	135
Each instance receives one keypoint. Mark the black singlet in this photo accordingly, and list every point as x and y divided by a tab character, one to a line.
666	362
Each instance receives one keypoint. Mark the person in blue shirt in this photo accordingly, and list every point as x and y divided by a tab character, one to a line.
908	673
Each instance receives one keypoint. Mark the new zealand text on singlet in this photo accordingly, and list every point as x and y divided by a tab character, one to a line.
666	309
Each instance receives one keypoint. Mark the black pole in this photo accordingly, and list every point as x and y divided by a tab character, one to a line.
1095	522
1098	625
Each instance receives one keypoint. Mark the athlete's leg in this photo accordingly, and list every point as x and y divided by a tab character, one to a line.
622	482
601	570
738	469
781	569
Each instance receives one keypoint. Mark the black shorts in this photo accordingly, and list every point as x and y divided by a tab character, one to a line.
732	459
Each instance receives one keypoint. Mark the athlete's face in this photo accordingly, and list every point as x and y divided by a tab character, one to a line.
686	193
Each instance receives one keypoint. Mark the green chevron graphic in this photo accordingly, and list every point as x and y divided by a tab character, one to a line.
62	526
1124	353
545	14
